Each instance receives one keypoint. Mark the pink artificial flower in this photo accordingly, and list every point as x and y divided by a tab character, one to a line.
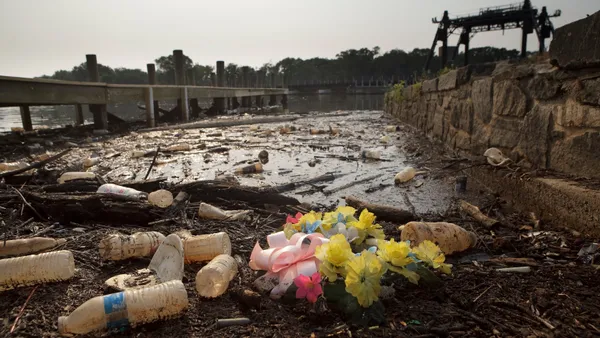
293	220
309	287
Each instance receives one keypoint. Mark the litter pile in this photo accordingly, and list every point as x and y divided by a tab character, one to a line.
87	249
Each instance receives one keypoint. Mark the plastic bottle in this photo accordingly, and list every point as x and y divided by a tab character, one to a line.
371	154
385	139
91	161
26	246
142	153
213	279
208	211
448	236
34	269
390	129
405	175
314	131
117	247
203	248
69	176
178	147
254	168
161	198
128	193
9	166
127	308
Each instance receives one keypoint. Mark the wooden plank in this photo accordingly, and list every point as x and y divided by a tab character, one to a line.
35	92
26	118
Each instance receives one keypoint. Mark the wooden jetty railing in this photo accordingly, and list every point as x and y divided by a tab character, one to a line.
24	92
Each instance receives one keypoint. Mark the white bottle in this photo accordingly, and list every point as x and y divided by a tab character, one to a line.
203	248
128	193
34	269
127	308
117	247
213	279
26	246
405	175
69	176
91	161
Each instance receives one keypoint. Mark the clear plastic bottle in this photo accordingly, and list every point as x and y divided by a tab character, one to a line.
34	269
117	247
128	193
75	175
209	211
26	246
251	169
448	236
9	166
203	248
127	308
405	175
213	279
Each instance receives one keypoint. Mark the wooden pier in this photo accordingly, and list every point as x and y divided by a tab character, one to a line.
25	92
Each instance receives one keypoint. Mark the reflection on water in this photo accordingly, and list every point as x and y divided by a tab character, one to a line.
56	116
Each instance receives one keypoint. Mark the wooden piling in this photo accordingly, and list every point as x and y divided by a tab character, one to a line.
213	79
182	102
99	110
219	101
191	77
272	98
150	114
152	81
79	115
284	101
26	118
245	83
185	108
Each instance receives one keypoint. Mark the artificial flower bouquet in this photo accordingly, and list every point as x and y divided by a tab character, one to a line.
343	259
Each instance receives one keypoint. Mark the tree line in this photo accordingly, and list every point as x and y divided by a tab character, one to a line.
357	64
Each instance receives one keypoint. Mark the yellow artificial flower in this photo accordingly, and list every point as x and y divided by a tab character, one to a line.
432	255
395	253
330	219
307	220
363	277
412	276
333	256
366	227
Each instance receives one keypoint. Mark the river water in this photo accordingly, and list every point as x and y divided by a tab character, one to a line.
56	116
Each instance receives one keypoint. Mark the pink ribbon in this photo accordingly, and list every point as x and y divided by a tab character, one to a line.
285	260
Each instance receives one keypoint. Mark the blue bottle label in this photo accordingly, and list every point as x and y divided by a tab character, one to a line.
115	309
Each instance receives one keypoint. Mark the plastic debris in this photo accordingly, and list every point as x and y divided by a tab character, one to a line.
35	269
390	129
127	308
203	248
251	169
117	247
208	211
9	166
449	237
70	176
495	157
91	161
161	198
124	192
587	254
26	246
385	139
213	279
518	269
371	154
232	321
405	175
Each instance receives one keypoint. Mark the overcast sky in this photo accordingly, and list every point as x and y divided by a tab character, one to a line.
40	36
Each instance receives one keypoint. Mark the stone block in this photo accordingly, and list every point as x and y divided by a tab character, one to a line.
407	93
578	155
463	75
462	140
509	99
448	80
543	87
482	69
590	94
577	44
430	86
461	116
573	114
536	135
505	132
481	95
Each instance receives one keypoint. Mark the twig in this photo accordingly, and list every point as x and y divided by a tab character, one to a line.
383	212
474	212
27	203
152	164
350	184
481	294
35	165
23	308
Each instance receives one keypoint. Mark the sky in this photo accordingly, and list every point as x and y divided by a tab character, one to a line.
40	36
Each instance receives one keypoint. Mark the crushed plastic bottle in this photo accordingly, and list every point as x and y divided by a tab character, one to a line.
124	192
208	211
495	157
203	248
70	176
127	308
251	169
166	265
161	198
448	236
26	246
405	175
371	154
35	269
117	247
213	279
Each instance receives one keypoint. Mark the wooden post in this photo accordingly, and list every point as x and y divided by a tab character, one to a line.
272	98
185	108
245	84
258	101
179	67
284	101
99	110
152	81
191	77
220	101
150	114
26	118
213	79
79	115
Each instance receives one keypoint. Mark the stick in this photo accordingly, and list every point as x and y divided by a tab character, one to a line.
29	205
213	124
318	179
152	164
474	212
383	212
35	165
23	308
349	184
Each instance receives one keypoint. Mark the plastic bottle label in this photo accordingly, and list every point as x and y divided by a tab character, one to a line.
115	309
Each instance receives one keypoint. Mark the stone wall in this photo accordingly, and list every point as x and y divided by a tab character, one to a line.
539	115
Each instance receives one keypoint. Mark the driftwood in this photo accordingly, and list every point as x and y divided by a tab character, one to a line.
383	212
228	123
93	185
474	212
294	185
35	165
332	190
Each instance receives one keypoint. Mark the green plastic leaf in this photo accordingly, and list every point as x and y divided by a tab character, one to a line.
428	278
333	292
